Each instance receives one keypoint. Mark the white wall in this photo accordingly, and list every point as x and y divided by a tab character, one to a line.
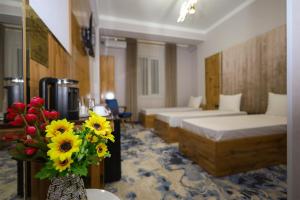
186	74
293	59
259	17
56	14
120	71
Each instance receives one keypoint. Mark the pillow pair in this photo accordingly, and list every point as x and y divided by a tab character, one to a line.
277	103
195	102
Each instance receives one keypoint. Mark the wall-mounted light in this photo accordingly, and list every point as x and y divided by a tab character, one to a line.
109	95
187	7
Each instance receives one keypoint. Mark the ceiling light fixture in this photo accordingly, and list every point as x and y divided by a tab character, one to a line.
187	7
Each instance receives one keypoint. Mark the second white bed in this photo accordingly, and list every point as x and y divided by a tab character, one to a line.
174	119
234	127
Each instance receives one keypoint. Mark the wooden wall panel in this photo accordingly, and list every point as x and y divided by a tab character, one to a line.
254	68
62	64
107	75
213	66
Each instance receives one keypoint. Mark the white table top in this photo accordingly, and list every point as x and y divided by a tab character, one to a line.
96	194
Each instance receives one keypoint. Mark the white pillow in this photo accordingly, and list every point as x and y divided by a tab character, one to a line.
195	102
277	104
230	102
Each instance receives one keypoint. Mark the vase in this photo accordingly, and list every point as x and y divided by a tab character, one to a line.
69	187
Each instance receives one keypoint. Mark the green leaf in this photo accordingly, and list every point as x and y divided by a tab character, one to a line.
47	171
80	170
20	147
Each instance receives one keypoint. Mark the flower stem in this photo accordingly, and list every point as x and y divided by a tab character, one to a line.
43	115
24	119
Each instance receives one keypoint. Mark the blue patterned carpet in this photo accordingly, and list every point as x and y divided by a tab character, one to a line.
154	170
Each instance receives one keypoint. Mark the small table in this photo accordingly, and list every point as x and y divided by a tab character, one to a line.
96	194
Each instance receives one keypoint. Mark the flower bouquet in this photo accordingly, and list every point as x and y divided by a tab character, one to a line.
66	150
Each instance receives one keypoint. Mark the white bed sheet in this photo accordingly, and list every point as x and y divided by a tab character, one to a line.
234	127
154	111
174	119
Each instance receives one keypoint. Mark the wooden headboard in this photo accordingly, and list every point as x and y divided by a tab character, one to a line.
254	68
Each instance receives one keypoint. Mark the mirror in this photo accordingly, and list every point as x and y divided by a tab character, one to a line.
11	54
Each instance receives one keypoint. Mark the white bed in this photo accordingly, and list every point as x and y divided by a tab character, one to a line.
154	111
234	127
174	119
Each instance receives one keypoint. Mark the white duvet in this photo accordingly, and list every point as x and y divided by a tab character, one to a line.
174	119
233	127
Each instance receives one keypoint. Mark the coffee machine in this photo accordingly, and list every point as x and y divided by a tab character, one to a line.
61	95
14	91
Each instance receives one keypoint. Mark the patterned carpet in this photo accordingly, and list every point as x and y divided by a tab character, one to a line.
154	170
8	177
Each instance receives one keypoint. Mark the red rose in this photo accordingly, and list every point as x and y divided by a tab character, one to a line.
31	118
11	116
54	115
33	110
43	126
30	130
18	107
46	113
30	151
37	102
18	121
51	115
10	110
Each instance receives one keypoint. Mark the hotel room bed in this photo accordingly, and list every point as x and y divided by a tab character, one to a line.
227	145
147	116
167	124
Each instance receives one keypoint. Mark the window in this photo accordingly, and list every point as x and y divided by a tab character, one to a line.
149	76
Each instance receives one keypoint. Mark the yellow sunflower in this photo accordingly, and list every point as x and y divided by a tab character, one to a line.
91	138
62	165
63	146
109	136
58	127
101	150
98	124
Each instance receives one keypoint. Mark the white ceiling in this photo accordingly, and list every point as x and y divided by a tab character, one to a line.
167	11
159	17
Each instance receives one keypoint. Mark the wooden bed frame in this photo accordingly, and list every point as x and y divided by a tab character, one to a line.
147	120
167	133
221	158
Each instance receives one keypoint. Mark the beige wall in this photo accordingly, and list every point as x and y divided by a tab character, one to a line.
293	34
186	74
259	17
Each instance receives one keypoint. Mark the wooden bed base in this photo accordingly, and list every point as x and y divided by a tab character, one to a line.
147	120
233	156
167	133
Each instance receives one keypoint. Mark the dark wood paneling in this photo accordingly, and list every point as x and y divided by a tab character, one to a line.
62	64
